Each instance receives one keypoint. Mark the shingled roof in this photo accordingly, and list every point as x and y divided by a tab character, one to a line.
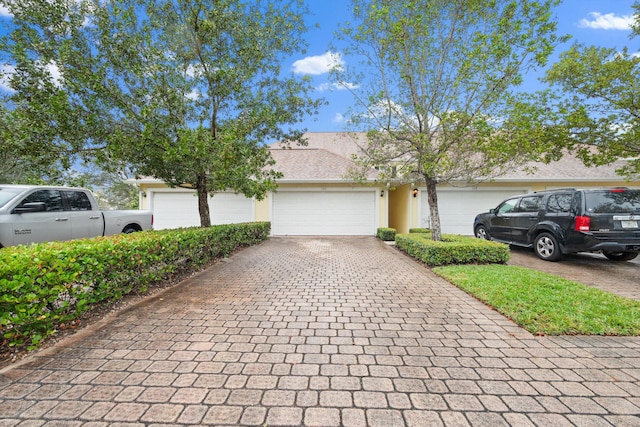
310	165
568	169
328	158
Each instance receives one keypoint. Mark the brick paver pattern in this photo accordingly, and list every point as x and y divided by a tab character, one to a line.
321	332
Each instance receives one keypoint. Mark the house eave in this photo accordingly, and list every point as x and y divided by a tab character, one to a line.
280	181
531	180
325	181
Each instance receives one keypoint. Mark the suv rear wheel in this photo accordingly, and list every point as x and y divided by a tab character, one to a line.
620	256
546	247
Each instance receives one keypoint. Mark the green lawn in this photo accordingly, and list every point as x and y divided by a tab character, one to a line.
546	304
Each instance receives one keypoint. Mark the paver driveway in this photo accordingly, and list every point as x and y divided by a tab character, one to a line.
326	332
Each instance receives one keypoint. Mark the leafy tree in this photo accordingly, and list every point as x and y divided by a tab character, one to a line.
22	159
108	186
636	25
187	91
597	100
435	93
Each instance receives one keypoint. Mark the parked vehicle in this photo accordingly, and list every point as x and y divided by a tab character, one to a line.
566	221
30	214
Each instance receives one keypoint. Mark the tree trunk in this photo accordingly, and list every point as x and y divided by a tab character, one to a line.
203	200
432	198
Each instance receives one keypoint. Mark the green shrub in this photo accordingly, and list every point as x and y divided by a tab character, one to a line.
419	230
453	249
46	284
387	234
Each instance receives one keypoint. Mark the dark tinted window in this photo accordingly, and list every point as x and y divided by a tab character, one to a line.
616	201
559	203
52	198
529	204
78	201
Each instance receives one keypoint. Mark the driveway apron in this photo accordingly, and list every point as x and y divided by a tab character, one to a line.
342	331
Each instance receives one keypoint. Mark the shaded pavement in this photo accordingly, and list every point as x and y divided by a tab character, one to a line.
321	332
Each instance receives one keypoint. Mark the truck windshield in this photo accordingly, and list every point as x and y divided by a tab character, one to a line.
613	201
7	194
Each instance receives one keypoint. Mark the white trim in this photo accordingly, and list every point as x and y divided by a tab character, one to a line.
317	188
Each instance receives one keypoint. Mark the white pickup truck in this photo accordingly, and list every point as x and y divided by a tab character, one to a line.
30	214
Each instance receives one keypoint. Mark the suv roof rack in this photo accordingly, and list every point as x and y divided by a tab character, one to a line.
556	189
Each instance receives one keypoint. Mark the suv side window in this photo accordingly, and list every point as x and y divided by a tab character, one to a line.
508	206
77	201
529	204
51	198
559	203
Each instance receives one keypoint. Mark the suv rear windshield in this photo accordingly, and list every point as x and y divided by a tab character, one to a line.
613	201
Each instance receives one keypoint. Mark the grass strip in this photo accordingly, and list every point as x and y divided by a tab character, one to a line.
545	304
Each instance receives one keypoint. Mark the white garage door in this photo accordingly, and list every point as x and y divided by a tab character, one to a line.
459	207
324	213
180	209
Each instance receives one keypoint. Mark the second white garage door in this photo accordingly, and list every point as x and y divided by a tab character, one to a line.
324	213
459	207
174	209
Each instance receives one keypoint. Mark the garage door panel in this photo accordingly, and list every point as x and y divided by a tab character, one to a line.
458	208
174	210
230	208
180	209
324	213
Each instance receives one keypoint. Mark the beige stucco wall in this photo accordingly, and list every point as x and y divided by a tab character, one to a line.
261	208
145	188
383	207
400	208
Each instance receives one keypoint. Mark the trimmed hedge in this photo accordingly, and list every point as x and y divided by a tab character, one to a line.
453	249
47	284
386	234
419	230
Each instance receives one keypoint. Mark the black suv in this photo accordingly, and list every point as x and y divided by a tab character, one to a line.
564	221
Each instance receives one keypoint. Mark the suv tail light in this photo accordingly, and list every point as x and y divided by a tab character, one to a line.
583	223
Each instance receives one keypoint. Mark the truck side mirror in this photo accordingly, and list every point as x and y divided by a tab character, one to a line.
30	207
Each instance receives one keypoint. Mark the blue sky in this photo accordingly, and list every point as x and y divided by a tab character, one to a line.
591	22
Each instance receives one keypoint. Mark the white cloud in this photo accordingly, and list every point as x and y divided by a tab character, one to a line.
6	71
338	118
193	95
54	72
319	64
608	21
194	70
336	86
4	12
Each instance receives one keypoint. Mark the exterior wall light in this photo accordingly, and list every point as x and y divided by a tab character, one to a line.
415	192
